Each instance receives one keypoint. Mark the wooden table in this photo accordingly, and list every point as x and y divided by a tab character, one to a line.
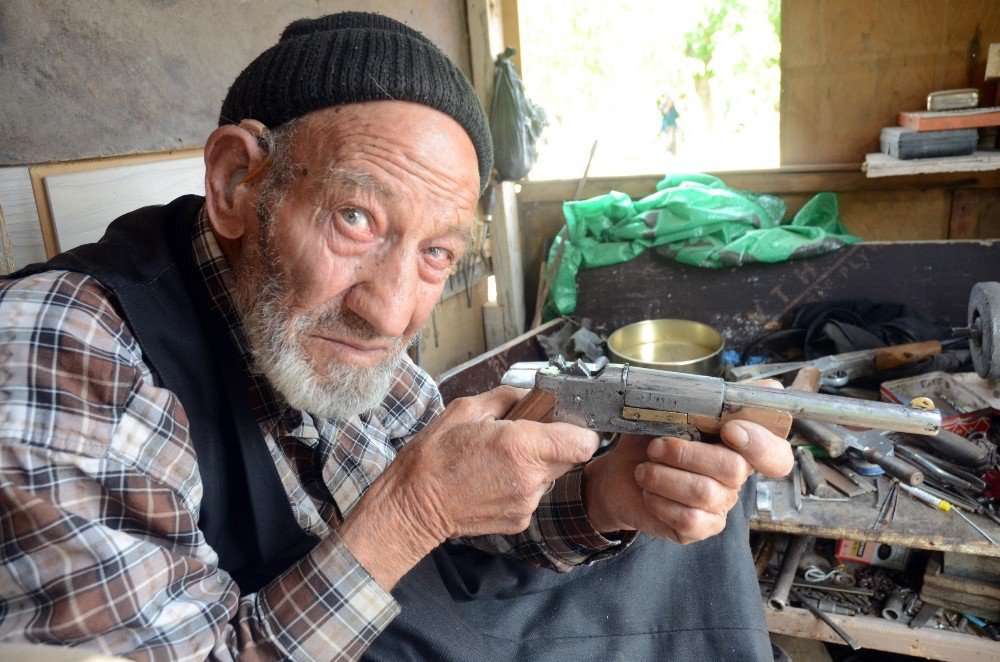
915	525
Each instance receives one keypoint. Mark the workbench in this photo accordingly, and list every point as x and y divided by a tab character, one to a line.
743	303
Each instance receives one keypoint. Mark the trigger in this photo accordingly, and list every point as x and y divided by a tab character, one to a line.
607	445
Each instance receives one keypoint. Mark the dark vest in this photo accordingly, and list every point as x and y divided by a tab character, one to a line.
655	601
145	259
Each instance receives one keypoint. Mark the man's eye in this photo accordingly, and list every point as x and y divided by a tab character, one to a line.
441	255
356	218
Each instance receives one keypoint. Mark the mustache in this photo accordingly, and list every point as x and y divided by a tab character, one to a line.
343	321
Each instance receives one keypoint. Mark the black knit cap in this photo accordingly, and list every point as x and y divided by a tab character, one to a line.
349	58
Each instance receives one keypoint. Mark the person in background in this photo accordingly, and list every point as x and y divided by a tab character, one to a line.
668	122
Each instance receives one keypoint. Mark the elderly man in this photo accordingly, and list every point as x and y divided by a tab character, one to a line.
214	446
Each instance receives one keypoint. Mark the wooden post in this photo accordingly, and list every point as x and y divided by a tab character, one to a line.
505	243
486	41
6	250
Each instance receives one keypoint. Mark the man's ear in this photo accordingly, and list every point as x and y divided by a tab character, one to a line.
231	152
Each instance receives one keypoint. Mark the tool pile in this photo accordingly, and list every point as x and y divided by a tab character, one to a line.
814	574
859	481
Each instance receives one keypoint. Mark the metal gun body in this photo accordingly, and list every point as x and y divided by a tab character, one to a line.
621	398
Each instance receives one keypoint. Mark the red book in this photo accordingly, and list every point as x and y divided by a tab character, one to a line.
940	120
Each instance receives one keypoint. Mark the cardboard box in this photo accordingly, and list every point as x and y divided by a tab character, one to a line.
962	411
872	553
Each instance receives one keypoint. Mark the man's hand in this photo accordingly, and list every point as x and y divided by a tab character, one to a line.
465	474
676	489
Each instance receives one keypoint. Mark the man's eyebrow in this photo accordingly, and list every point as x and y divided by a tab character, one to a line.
352	180
465	234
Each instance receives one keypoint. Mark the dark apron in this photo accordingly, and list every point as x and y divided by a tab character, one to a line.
655	601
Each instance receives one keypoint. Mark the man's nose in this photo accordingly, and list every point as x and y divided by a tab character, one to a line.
387	294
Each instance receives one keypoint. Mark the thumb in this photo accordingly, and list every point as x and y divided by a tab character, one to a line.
765	451
563	442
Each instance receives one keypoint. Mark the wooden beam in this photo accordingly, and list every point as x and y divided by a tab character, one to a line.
6	249
505	245
840	178
975	213
512	31
881	634
486	41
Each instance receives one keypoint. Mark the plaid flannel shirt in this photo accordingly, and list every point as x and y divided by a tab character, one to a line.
100	494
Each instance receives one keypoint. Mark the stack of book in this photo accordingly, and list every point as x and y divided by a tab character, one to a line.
938	138
904	142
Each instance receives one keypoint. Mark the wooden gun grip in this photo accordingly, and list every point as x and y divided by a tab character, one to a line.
536	406
778	422
887	358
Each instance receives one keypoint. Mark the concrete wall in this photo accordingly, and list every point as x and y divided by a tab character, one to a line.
87	79
83	78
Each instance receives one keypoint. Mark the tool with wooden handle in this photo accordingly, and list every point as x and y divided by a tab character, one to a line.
838	369
815	483
871	445
808	380
836	439
620	398
955	447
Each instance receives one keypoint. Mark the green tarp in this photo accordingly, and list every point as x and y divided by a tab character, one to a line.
692	218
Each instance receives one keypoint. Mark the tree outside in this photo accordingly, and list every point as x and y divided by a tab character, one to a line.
605	71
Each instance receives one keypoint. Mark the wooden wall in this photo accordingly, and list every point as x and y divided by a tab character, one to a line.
849	66
916	207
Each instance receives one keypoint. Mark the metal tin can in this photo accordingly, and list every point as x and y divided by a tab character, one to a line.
669	344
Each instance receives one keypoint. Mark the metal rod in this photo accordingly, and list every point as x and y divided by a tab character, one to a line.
797	546
851	641
821	587
833	409
986	535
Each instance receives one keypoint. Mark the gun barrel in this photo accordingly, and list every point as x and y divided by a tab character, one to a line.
834	409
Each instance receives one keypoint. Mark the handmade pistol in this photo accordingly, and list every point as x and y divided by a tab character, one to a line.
617	398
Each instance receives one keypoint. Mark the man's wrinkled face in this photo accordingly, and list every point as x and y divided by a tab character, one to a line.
351	254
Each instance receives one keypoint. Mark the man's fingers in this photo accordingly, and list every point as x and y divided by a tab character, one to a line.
492	404
765	451
684	487
562	442
681	523
713	460
767	383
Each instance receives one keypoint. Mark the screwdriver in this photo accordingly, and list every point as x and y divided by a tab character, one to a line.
926	497
941	504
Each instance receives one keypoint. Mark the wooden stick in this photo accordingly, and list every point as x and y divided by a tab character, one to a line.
540	303
6	249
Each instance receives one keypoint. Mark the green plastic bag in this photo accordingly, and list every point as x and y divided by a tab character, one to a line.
695	219
515	122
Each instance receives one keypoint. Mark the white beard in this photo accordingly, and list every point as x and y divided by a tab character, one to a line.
344	390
